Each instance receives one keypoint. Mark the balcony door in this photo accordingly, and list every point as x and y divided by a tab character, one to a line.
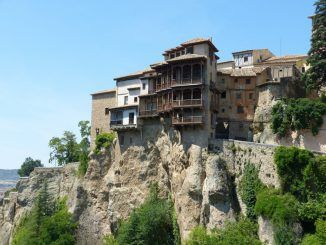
131	118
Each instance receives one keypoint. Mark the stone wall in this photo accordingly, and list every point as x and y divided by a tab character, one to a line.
100	116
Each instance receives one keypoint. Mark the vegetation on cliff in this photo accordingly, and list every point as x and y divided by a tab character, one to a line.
28	166
49	222
151	223
297	114
242	232
103	141
66	149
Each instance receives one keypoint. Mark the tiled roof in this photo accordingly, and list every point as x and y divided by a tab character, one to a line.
285	59
243	72
135	74
186	57
192	42
108	91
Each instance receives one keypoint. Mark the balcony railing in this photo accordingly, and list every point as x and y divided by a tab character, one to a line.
163	86
186	82
188	120
147	113
164	107
188	102
116	122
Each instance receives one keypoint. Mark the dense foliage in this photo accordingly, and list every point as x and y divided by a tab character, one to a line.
315	77
48	223
296	114
28	166
319	237
151	223
103	141
249	186
281	210
301	172
66	149
242	232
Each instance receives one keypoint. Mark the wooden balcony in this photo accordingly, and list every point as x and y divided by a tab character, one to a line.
163	86
185	82
188	120
147	113
164	107
187	103
118	125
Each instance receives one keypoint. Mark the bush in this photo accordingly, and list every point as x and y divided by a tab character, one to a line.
301	173
249	186
297	114
281	210
28	166
151	223
242	232
319	237
103	140
47	223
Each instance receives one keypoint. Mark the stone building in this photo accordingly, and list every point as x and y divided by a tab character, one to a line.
102	101
241	84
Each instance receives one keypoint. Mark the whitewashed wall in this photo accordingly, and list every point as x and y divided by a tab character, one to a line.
125	114
239	59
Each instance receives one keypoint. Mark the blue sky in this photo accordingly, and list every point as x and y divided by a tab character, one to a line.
53	54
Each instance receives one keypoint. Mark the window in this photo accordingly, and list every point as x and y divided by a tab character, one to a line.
135	99
131	117
97	131
107	111
236	80
223	95
240	109
303	69
248	81
177	54
222	80
144	86
172	55
126	100
223	110
238	95
190	50
245	59
182	52
251	96
186	73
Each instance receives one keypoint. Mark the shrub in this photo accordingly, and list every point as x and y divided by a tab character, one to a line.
249	186
297	114
103	140
242	232
319	237
301	173
281	210
28	166
151	223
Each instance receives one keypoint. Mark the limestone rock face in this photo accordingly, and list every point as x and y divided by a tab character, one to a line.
202	186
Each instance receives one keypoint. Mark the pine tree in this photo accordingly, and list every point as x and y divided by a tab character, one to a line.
315	77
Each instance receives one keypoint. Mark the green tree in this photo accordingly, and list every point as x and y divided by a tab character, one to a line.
28	166
84	145
315	77
151	223
65	149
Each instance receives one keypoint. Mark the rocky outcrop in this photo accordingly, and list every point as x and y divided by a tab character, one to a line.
202	186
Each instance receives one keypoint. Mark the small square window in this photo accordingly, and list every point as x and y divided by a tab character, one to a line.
245	59
135	99
172	55
303	69
144	86
190	50
248	81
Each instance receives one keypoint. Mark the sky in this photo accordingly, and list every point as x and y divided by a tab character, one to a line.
54	54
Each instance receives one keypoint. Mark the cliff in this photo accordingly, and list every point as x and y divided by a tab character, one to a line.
203	184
